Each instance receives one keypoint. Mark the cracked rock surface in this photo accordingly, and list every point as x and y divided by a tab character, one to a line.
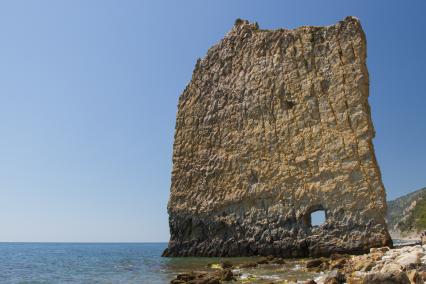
274	125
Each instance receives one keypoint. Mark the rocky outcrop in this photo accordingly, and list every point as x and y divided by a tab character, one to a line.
402	265
273	126
381	265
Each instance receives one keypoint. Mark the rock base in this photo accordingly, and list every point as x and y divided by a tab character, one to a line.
283	239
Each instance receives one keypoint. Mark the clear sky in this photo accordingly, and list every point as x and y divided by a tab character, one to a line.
88	98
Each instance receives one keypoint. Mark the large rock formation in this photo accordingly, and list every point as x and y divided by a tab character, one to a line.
273	126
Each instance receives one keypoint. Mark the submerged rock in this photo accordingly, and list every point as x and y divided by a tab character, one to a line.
248	265
185	277
263	261
314	263
216	277
226	264
227	275
277	261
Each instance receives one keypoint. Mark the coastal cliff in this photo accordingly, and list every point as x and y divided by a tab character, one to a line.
406	215
273	126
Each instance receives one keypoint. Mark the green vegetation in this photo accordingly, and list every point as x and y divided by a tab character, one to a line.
419	214
408	213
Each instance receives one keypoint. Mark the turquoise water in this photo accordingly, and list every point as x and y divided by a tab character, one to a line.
113	263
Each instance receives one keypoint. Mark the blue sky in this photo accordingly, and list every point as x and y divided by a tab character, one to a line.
88	98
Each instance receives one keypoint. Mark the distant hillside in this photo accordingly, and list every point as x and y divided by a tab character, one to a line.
408	213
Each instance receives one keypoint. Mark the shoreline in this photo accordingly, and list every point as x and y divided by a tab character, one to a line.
405	263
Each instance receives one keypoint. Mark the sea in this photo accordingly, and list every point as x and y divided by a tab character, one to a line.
119	263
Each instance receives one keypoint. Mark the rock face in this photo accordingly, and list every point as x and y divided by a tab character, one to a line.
273	126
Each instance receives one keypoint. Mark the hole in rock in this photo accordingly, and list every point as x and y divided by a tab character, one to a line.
318	218
289	104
